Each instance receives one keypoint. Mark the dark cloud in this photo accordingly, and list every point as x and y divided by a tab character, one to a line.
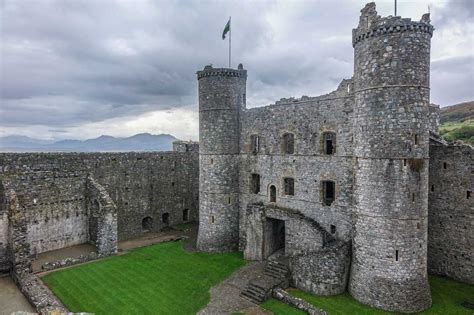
68	63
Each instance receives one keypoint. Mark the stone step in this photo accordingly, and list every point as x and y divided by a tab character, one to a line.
280	270
252	298
256	288
276	275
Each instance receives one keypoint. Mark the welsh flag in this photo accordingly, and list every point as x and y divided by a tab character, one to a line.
226	29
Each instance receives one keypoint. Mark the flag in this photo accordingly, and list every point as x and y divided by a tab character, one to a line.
226	29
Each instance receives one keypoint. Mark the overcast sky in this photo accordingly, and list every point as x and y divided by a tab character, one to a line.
80	69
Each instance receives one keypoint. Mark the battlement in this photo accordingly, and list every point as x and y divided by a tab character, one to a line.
209	71
372	25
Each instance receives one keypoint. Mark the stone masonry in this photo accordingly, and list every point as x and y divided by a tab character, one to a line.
342	183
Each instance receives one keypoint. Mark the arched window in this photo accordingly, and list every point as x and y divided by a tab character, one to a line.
328	192
273	194
329	143
254	144
288	143
289	184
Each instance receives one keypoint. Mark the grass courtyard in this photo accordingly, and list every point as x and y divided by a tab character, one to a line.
166	279
159	279
447	298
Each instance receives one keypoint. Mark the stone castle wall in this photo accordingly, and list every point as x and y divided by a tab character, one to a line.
308	119
51	189
451	212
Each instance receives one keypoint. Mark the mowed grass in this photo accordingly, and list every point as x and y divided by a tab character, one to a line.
160	279
447	298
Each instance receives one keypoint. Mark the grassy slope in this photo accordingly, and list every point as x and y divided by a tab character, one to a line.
447	297
457	122
160	279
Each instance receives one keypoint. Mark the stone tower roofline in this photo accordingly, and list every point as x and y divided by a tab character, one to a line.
209	71
372	25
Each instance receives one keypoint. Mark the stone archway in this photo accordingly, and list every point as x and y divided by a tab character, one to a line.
147	224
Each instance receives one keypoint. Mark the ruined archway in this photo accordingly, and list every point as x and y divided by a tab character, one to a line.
147	224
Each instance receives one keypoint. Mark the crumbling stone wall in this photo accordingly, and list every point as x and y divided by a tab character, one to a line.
103	213
451	212
185	146
51	187
4	261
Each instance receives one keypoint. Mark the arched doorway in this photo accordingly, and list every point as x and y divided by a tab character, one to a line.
147	224
273	193
165	218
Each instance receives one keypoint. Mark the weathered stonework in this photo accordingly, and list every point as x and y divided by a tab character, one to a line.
354	163
451	212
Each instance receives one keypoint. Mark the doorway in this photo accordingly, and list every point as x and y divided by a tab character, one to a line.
274	236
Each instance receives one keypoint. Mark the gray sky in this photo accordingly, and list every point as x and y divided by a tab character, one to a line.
80	69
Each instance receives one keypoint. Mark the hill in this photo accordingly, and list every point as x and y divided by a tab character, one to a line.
138	142
457	122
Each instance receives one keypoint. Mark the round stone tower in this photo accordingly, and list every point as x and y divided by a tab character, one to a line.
221	102
391	133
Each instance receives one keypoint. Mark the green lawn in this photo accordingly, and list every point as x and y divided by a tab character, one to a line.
160	279
447	297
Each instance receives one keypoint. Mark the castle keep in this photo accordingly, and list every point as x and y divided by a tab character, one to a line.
341	183
353	189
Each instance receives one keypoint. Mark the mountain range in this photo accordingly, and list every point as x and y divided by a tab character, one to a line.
138	142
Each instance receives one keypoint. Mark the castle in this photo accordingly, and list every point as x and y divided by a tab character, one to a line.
354	187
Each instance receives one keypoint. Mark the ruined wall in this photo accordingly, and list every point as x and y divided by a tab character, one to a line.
322	272
451	212
51	189
4	262
308	119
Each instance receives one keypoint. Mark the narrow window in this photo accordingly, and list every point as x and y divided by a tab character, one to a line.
185	215
404	162
186	147
212	161
244	99
255	143
165	218
329	192
418	226
432	188
212	219
396	255
468	194
172	184
228	200
255	183
289	184
413	197
445	165
288	143
415	139
329	143
273	194
333	229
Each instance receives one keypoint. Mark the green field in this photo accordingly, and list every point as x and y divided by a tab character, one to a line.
447	297
451	131
160	279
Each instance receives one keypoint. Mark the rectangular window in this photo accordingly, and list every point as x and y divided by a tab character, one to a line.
396	255
329	192
255	183
255	143
289	184
333	229
329	143
468	194
288	143
244	99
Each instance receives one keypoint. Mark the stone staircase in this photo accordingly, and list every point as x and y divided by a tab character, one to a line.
276	269
254	293
274	275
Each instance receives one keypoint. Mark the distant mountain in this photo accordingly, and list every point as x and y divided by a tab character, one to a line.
457	113
138	142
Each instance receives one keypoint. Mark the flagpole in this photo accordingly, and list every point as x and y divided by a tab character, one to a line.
230	36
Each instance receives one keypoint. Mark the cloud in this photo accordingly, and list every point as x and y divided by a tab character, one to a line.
87	68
